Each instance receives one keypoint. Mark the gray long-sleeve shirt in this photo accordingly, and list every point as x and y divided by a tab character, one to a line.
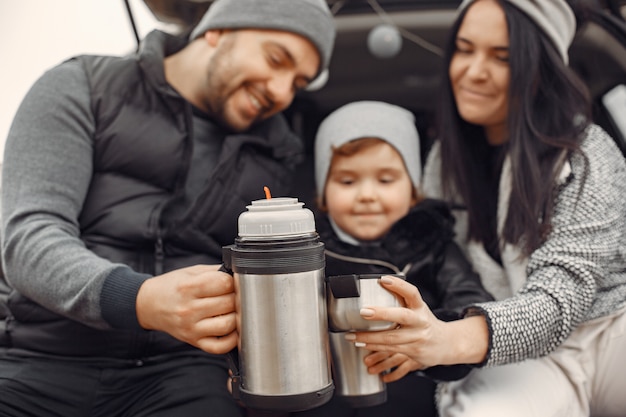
46	174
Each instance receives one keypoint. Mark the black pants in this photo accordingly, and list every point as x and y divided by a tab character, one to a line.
411	396
186	386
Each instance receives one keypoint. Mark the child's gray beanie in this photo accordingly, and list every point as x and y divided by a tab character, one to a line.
367	119
309	18
554	17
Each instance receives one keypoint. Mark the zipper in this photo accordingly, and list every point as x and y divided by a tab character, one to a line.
365	261
158	255
8	323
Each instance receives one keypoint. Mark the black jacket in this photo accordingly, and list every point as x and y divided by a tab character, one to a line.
421	246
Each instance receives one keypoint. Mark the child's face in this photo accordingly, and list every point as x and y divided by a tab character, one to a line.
366	193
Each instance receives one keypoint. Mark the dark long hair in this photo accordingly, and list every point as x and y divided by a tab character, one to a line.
549	107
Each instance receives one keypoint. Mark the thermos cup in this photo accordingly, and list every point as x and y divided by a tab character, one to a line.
278	264
347	294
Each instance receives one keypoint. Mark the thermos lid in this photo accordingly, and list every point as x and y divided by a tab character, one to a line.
276	217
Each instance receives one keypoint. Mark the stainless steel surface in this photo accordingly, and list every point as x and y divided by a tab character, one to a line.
344	313
349	372
283	333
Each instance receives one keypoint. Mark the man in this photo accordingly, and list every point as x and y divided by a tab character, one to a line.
123	178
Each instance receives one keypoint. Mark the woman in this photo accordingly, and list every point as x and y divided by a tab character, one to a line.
544	226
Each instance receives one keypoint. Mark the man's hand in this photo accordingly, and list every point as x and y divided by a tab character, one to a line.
194	304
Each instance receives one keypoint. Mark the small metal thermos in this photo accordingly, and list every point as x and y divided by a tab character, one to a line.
347	294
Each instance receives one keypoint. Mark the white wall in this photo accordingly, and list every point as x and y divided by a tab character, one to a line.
38	34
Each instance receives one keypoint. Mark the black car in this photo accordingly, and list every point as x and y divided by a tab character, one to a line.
405	66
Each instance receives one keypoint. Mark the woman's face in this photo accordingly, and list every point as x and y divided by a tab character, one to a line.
479	71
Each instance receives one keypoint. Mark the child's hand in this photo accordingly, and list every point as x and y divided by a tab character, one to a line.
396	365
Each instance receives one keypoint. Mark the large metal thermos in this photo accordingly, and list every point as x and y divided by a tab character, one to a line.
278	264
347	295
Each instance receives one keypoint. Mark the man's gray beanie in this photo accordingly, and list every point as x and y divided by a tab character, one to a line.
367	119
309	18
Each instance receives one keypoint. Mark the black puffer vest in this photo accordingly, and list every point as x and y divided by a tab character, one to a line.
142	151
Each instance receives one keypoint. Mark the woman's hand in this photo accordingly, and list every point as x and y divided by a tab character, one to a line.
422	337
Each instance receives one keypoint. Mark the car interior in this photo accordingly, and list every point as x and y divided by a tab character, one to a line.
391	50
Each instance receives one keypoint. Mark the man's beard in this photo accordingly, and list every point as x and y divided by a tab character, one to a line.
218	89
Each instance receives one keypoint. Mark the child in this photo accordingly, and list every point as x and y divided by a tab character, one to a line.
373	220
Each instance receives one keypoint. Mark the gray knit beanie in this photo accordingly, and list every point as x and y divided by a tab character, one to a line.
554	17
367	119
309	18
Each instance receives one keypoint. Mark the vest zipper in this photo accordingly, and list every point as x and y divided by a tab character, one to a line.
158	256
8	323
